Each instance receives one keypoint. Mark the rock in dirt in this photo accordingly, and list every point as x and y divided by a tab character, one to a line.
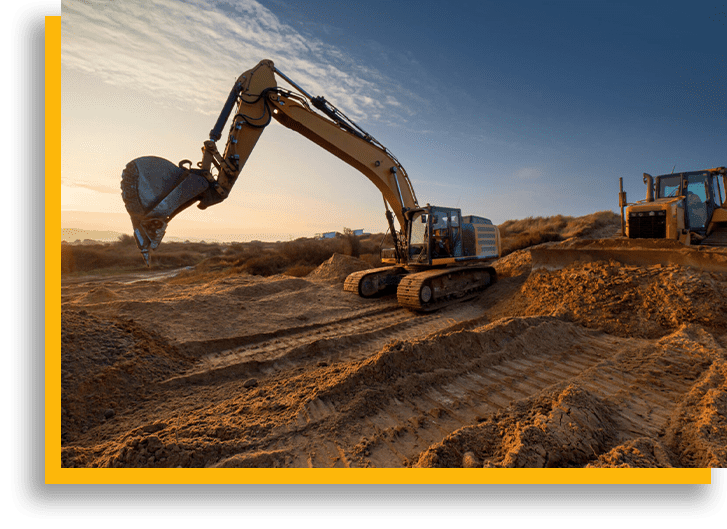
469	460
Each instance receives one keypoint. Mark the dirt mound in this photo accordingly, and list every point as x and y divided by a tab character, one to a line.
565	427
269	287
106	366
697	432
642	452
634	301
338	268
517	263
406	368
99	294
615	243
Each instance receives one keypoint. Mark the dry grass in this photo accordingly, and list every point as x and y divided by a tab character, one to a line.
122	256
299	257
296	258
519	234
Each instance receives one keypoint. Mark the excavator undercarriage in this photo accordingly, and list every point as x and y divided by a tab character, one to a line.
422	291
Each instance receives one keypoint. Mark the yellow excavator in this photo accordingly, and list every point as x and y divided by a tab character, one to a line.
439	256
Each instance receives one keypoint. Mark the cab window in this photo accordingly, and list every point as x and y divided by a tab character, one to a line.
418	228
669	186
697	184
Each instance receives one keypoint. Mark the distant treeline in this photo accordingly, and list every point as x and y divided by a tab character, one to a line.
297	257
301	256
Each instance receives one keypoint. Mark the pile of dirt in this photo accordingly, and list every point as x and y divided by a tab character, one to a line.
406	368
238	370
106	365
564	427
99	294
515	264
697	432
591	420
645	302
338	268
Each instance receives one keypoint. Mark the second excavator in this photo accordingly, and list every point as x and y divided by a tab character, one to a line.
438	256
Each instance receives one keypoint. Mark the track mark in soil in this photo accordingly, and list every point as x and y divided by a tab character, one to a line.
346	340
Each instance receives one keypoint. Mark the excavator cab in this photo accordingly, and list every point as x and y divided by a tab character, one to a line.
441	236
446	240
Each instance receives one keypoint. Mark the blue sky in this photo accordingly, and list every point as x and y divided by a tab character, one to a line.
506	110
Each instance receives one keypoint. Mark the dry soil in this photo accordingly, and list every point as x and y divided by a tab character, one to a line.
598	364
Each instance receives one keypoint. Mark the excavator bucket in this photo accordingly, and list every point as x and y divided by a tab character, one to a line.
154	190
635	252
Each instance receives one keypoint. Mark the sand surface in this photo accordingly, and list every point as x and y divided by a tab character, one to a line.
598	364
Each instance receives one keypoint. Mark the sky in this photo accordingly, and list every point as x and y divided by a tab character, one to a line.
506	110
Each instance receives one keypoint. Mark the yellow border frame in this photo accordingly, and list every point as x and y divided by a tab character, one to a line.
54	474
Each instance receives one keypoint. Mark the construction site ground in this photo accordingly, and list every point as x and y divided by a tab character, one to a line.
597	364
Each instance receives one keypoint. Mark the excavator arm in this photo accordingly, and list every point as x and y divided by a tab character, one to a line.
155	190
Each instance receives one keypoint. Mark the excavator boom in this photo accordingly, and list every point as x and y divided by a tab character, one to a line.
439	255
155	190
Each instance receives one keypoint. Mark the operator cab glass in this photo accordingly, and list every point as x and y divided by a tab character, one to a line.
446	233
698	193
669	186
418	229
418	244
719	196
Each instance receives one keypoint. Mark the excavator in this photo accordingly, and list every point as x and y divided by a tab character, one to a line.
438	256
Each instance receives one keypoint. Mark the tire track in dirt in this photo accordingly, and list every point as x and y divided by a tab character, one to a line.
397	433
440	410
643	424
345	340
394	432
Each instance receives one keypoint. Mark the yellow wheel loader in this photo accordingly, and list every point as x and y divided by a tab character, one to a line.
685	207
682	221
439	255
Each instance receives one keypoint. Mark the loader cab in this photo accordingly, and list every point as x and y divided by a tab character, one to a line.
698	190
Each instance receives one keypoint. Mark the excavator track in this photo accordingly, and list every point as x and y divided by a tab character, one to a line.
434	289
375	281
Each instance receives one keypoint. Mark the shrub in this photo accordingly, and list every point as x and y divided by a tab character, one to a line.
265	265
126	240
299	270
519	234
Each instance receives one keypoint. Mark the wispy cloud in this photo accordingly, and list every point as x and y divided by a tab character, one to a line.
188	54
100	188
529	173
